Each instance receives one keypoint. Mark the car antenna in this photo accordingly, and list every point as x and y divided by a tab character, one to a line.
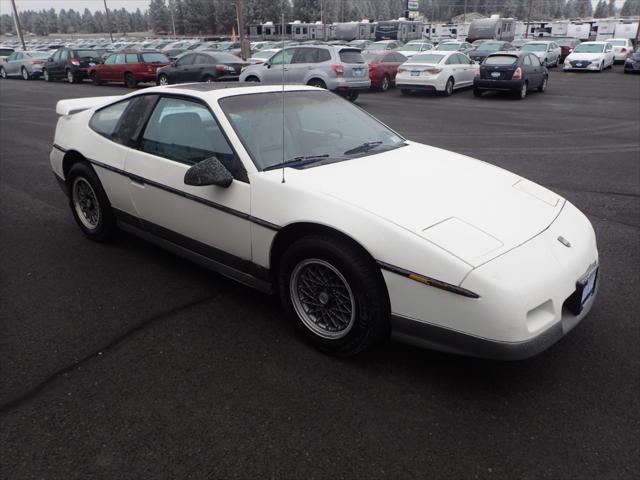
283	116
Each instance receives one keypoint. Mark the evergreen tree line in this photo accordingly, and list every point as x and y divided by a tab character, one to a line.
194	17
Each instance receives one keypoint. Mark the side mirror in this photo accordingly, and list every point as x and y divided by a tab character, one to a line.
209	171
267	64
50	59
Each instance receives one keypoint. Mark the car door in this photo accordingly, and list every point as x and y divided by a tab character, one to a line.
105	70
608	54
60	65
303	61
468	68
537	71
277	68
54	67
11	62
180	72
212	220
116	70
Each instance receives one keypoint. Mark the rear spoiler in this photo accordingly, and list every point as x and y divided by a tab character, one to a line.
75	105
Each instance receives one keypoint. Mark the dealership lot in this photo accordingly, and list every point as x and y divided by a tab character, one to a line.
122	360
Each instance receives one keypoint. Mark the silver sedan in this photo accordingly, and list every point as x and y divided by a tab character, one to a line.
547	51
23	64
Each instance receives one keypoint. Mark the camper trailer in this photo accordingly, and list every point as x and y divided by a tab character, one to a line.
401	29
605	28
494	28
559	28
579	30
348	31
626	29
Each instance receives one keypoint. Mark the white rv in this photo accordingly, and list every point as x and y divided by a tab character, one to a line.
626	29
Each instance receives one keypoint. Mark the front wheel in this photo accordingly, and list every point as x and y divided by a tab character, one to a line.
25	74
163	79
130	81
3	72
334	294
89	203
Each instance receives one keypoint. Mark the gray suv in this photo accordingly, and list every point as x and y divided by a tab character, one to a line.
340	69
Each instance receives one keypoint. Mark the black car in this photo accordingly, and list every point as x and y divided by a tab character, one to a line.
632	63
487	47
517	72
201	66
70	64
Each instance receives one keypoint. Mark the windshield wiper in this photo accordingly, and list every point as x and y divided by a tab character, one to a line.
365	147
303	160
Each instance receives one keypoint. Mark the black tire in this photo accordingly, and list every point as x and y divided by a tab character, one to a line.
3	72
208	79
47	77
25	74
71	77
369	323
95	78
352	96
405	91
78	177
163	79
130	81
386	83
448	88
524	89
252	78
543	86
316	82
477	92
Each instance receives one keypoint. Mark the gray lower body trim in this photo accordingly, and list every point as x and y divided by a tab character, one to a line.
427	335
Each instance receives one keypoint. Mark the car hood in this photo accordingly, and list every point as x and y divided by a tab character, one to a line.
470	208
585	56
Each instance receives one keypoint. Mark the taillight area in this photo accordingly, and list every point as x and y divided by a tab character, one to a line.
623	50
433	71
224	68
338	69
517	75
75	61
38	62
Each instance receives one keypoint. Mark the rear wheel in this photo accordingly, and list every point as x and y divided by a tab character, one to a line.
405	91
25	74
45	74
522	94
334	294
3	72
208	79
477	92
163	79
71	77
448	88
352	96
543	86
386	83
89	203
316	82
130	81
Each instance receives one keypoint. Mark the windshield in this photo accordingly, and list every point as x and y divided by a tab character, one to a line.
154	58
448	47
85	53
589	48
490	46
426	58
318	124
618	43
534	47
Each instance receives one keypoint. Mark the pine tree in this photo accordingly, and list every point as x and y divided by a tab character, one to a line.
159	17
630	7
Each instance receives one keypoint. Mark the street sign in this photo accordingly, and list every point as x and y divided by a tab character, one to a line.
413	5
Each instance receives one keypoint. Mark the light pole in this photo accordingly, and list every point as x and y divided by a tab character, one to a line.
16	21
108	21
173	22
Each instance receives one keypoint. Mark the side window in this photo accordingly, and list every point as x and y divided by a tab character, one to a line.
388	58
105	120
18	56
323	55
527	61
186	60
286	54
204	60
133	119
110	60
56	56
64	55
186	131
119	58
132	58
305	55
451	60
535	61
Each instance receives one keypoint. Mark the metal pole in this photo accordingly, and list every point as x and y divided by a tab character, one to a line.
16	21
464	19
108	21
173	22
526	34
245	51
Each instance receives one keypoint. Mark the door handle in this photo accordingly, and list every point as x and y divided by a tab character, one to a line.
137	181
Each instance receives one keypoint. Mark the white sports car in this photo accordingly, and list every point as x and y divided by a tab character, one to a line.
361	232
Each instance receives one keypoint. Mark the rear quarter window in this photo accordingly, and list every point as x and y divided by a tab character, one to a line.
351	56
105	120
501	60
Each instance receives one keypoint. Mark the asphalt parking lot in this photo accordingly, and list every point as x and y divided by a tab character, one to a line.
124	361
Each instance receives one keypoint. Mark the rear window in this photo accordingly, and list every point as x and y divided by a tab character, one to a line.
85	53
154	58
501	60
351	56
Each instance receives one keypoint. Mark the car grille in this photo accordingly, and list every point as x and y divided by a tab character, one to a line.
582	63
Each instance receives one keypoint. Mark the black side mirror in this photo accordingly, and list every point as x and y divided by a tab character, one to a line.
209	171
50	59
267	64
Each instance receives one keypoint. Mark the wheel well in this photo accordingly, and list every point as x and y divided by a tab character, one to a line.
69	159
317	79
291	233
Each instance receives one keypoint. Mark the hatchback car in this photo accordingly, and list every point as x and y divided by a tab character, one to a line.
23	64
437	72
70	64
484	49
383	68
361	233
129	67
547	51
337	68
201	66
517	72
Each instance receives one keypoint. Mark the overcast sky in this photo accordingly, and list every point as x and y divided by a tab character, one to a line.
93	5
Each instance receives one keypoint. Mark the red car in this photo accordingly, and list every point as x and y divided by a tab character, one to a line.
383	67
566	46
129	67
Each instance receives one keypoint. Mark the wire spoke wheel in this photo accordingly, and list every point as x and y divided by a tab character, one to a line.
85	203
322	298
